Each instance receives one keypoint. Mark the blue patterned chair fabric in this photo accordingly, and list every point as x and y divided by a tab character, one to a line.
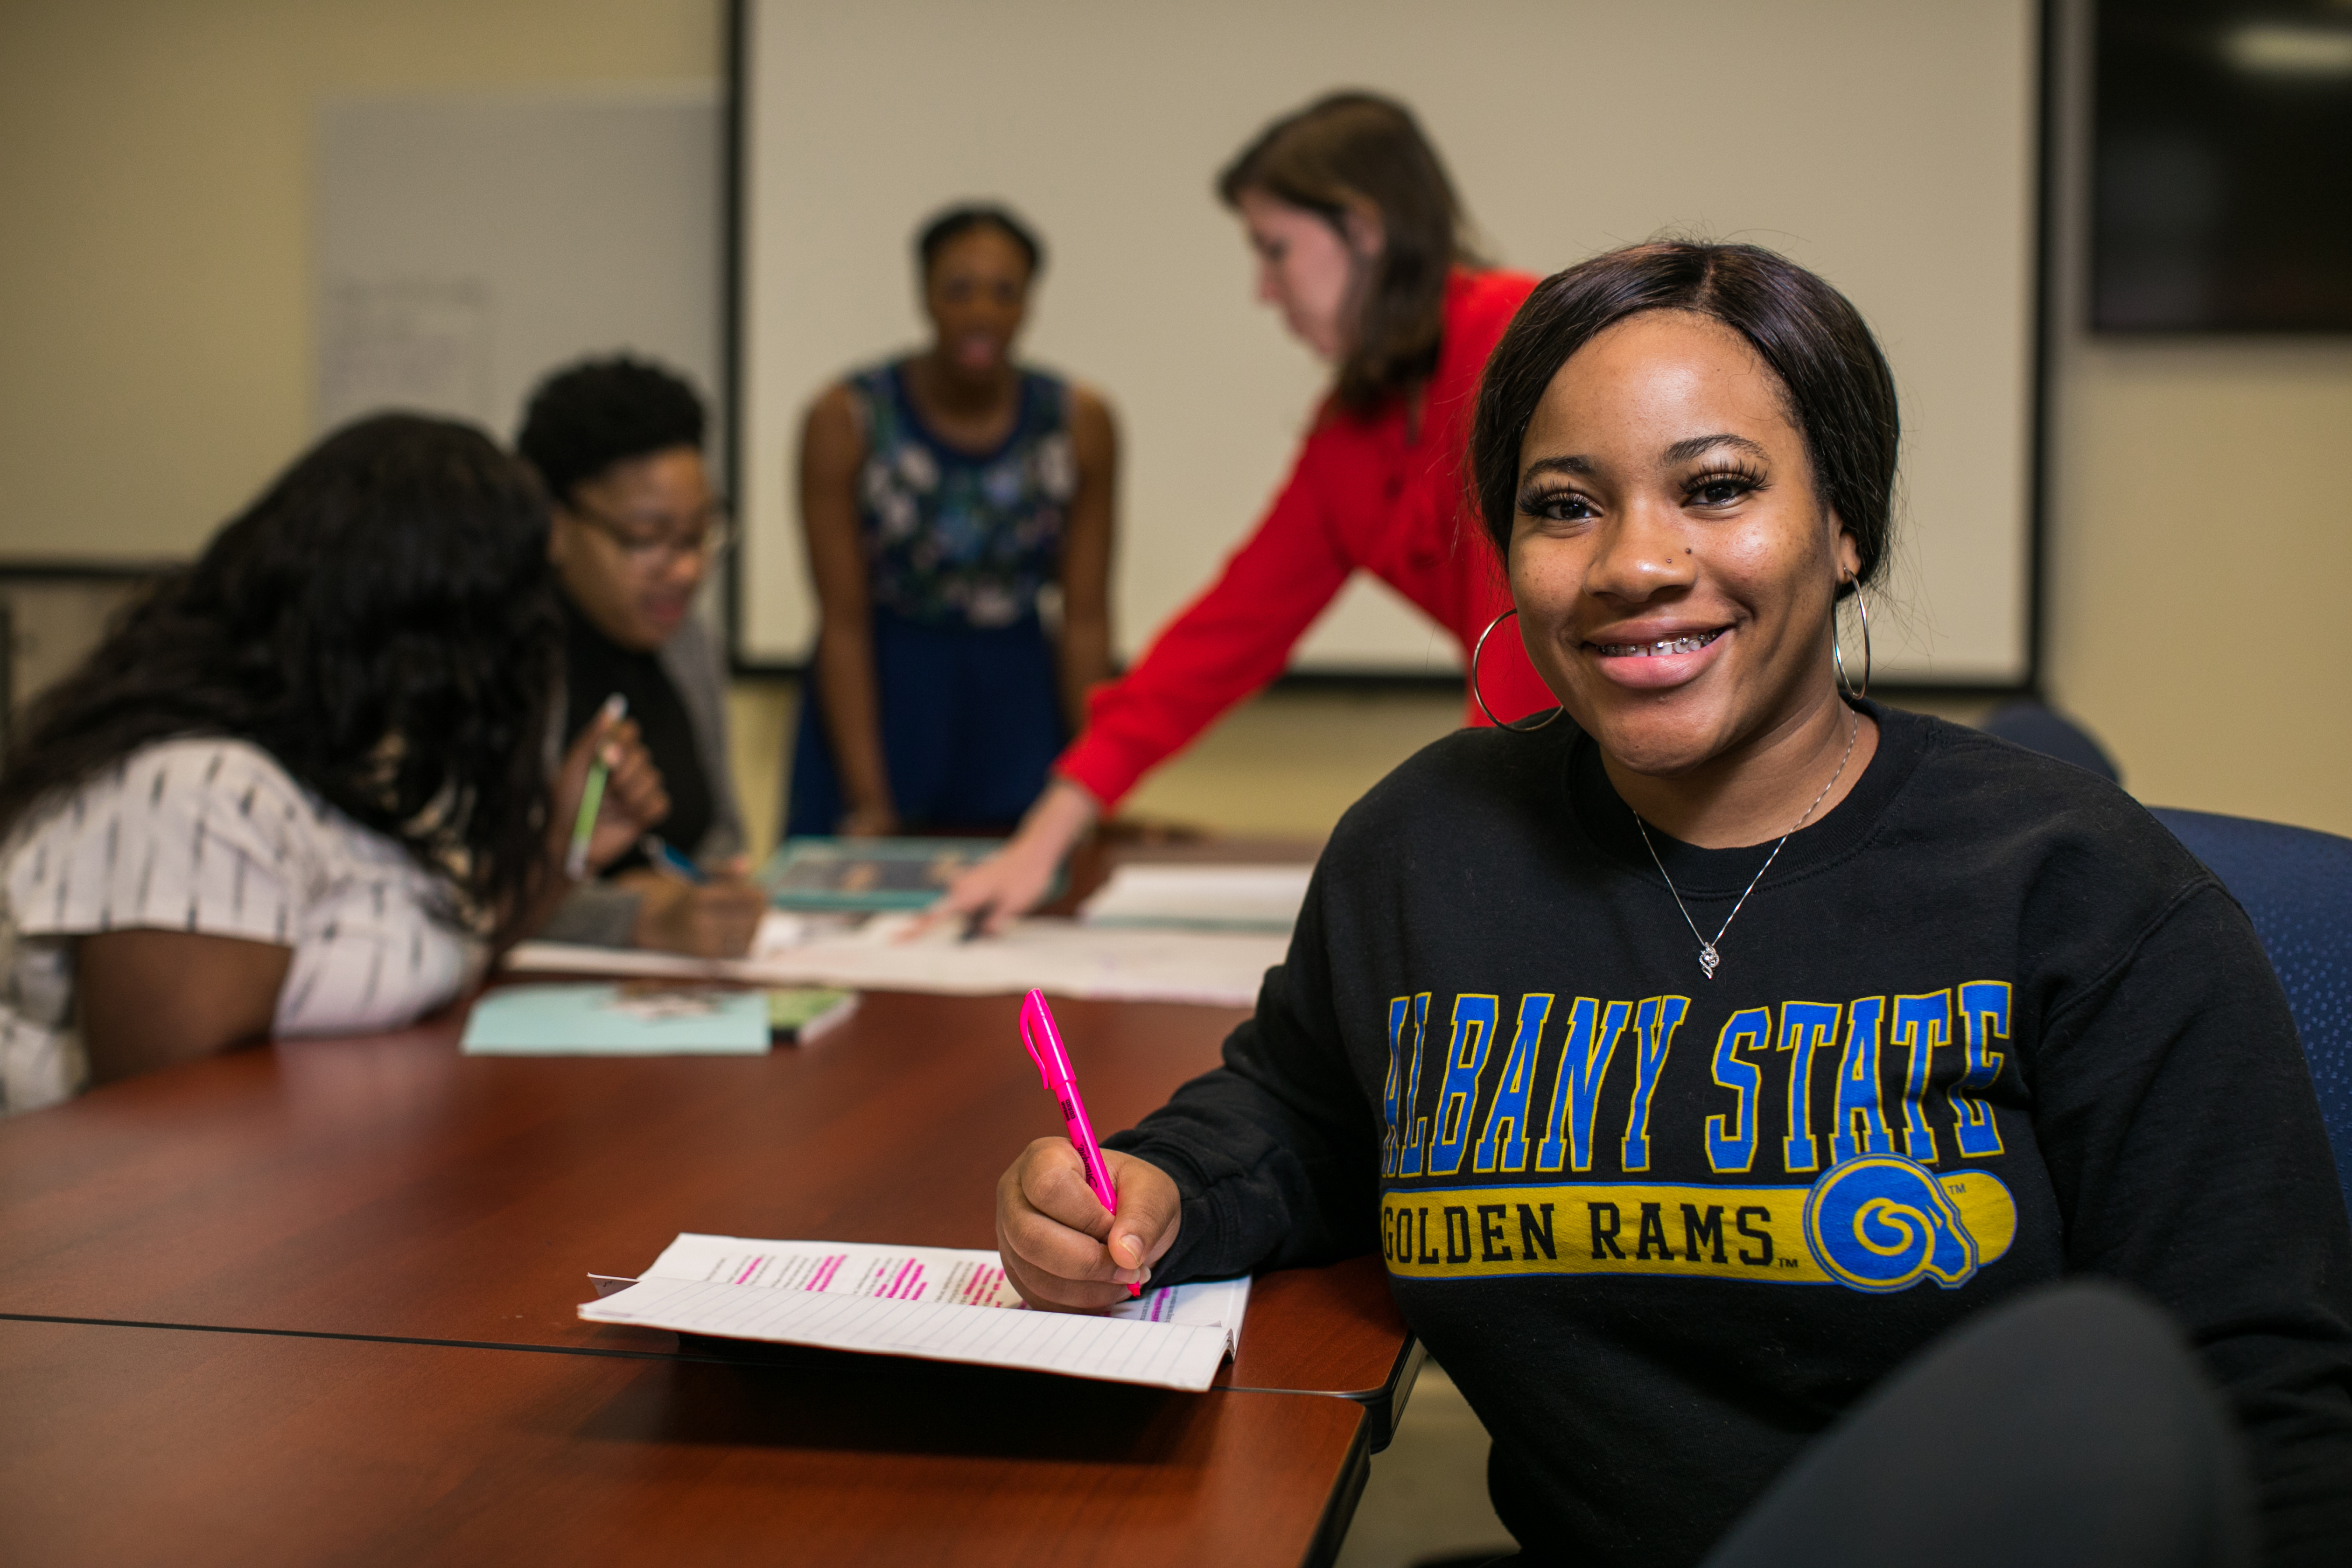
2296	886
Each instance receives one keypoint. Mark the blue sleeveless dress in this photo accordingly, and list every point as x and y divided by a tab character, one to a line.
958	545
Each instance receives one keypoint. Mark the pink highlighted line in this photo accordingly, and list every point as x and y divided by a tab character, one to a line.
910	1272
750	1268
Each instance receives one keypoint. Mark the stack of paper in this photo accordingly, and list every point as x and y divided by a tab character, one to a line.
934	1302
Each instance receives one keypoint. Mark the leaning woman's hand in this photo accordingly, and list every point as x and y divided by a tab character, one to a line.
1062	1251
634	799
1015	880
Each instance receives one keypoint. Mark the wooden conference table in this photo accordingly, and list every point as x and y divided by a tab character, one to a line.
395	1237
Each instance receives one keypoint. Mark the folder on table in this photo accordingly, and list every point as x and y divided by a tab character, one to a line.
639	1019
932	1302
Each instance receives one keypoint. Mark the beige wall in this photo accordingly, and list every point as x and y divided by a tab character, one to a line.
155	366
2200	553
155	270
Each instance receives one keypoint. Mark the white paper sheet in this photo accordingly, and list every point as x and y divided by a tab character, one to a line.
1201	898
1058	957
938	1303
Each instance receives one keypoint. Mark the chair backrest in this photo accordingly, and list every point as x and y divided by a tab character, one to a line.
2297	887
2042	729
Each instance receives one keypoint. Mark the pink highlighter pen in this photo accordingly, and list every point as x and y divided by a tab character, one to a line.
1045	1042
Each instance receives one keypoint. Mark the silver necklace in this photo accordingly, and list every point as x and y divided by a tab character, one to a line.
1707	956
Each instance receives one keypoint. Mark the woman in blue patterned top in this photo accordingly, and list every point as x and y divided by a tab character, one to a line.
942	494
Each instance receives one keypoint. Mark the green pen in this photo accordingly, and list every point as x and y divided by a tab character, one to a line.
583	826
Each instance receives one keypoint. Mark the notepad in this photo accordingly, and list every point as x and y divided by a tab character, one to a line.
645	1018
935	1303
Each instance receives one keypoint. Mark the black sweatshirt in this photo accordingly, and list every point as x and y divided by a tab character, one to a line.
2029	1037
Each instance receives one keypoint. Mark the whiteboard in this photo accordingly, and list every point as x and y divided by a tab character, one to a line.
467	244
1893	148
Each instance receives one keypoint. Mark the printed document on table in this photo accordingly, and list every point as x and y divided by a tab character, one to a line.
935	1302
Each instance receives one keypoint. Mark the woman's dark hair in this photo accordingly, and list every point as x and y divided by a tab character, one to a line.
587	416
1359	149
1833	379
962	219
381	622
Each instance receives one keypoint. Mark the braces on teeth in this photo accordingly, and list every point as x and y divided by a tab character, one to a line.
1652	650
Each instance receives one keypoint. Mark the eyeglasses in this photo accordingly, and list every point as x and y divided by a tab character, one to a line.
708	536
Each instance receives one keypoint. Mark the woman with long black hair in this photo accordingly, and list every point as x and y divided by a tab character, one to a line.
305	782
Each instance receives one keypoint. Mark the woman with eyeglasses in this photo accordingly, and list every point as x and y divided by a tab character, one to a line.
943	495
634	531
303	787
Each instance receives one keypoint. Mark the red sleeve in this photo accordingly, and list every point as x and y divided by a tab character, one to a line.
1223	645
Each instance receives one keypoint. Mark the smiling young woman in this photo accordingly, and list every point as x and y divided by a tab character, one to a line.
1680	517
942	493
1739	1079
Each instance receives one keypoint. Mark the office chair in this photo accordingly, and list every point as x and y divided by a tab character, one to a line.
2039	728
2297	887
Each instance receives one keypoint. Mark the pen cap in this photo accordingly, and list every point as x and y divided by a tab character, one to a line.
1043	1042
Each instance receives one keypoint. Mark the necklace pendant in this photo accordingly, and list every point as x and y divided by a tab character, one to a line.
1707	958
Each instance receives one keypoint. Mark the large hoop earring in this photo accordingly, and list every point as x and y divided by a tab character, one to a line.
1519	728
1837	653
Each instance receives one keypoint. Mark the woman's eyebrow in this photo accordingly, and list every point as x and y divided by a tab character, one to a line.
1682	451
1567	465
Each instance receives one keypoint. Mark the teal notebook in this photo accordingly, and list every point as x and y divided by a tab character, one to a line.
639	1019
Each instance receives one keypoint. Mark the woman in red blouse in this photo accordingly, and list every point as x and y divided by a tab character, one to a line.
1358	238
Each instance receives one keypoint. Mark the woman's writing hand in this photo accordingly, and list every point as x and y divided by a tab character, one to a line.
1062	1249
716	919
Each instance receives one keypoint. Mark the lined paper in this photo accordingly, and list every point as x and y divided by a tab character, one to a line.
934	1302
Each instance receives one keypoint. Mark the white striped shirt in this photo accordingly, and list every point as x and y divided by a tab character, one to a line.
213	836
